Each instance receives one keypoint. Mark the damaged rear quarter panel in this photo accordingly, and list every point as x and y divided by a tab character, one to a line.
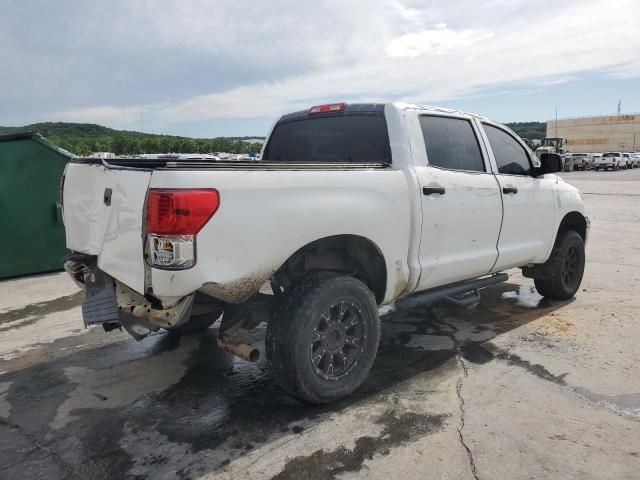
265	216
237	291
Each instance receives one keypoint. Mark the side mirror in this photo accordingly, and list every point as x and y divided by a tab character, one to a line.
549	163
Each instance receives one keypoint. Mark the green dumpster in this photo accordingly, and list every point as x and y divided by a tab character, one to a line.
31	230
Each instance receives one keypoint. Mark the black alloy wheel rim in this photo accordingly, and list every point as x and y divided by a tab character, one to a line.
570	267
337	341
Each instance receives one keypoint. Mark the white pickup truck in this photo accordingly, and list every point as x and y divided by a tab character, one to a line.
349	206
612	160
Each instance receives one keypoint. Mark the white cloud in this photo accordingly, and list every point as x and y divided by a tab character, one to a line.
438	40
265	58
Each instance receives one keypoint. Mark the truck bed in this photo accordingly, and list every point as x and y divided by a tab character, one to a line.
252	232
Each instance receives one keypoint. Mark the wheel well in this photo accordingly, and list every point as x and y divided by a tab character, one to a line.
349	254
574	221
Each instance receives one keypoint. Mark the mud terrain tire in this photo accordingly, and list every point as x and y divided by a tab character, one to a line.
562	274
323	338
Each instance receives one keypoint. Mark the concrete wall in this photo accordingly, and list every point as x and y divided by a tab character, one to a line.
598	134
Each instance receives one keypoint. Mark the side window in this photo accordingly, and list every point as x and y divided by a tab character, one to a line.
510	156
451	143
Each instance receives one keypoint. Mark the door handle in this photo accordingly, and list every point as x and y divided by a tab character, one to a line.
433	190
513	190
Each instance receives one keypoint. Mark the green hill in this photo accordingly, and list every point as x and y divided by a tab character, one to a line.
529	130
85	138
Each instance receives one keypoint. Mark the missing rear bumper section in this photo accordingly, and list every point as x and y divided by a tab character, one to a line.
112	304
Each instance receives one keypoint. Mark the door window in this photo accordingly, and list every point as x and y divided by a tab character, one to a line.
511	157
451	143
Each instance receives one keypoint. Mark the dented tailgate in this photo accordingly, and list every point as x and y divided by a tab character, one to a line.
103	216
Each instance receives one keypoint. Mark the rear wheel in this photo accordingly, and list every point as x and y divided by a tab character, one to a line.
562	274
323	339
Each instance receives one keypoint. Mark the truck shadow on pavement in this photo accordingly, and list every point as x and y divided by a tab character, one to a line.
169	404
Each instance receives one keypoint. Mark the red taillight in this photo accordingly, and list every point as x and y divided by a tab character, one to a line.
62	190
329	107
180	211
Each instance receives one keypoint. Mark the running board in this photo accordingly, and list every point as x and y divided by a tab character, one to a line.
463	293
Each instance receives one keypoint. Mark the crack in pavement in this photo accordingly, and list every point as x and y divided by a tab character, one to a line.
465	373
459	383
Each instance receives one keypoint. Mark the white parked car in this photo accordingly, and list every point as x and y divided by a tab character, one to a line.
635	160
351	206
610	160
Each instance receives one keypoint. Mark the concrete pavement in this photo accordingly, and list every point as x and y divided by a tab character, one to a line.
514	387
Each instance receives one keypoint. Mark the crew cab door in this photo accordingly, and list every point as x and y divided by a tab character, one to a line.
459	198
528	202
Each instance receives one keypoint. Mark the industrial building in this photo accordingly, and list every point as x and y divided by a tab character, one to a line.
30	212
597	134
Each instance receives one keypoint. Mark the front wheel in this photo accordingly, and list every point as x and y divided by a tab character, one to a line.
323	339
561	275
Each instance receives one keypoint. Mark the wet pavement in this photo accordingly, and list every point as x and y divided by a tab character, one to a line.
514	387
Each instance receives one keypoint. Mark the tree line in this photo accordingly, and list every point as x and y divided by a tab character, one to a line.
123	145
529	130
84	139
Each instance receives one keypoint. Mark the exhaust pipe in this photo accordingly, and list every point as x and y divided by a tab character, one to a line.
243	350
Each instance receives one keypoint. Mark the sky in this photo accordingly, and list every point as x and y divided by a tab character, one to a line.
231	67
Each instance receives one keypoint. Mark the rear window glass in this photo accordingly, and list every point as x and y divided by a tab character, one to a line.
451	143
611	154
344	138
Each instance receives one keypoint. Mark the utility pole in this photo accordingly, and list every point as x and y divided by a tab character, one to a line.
619	106
556	122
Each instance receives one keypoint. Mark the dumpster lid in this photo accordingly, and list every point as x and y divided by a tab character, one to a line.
34	135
